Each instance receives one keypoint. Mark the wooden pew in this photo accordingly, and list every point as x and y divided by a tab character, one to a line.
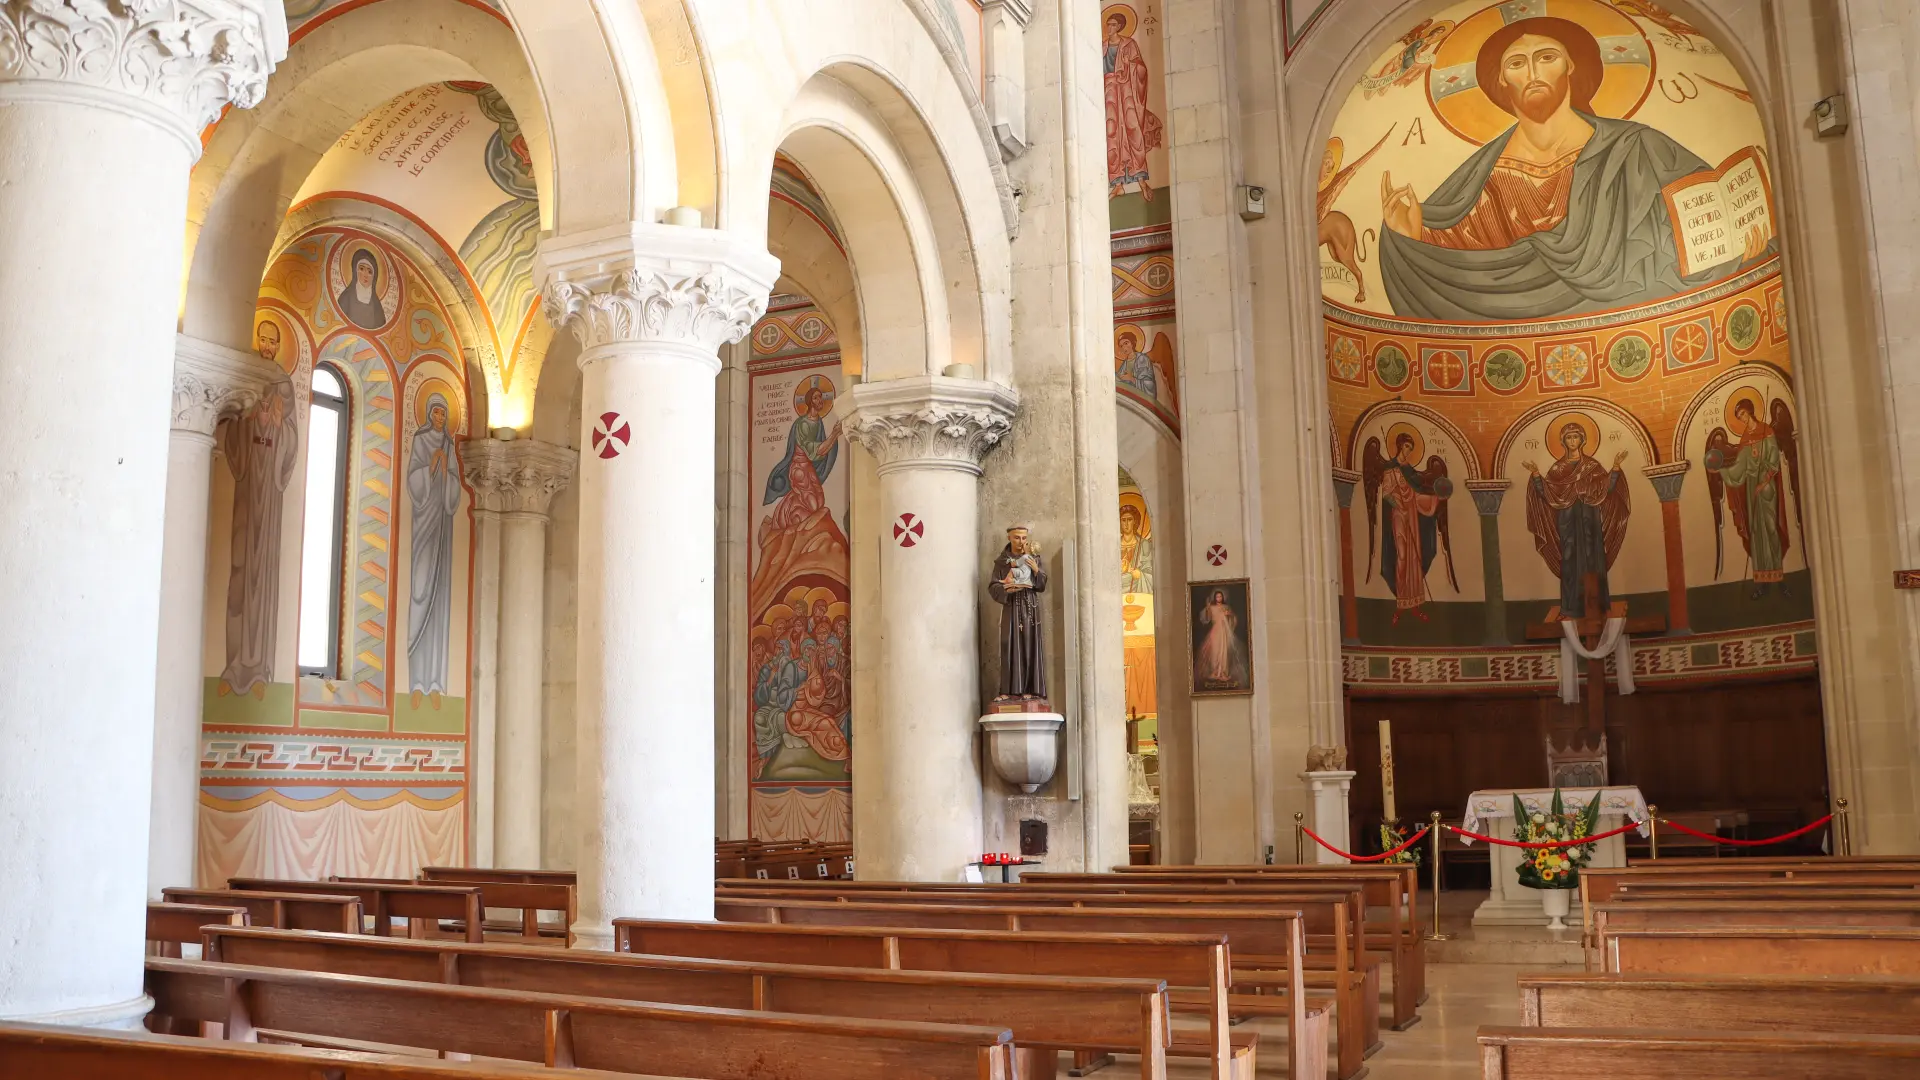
529	898
1180	960
1096	1015
1521	1053
170	926
1701	914
1599	885
38	1051
287	911
566	1031
1393	889
1763	951
1258	938
458	875
1722	1003
419	904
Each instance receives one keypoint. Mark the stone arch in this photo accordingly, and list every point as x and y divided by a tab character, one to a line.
344	67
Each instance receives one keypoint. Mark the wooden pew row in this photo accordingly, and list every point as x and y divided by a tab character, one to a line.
566	1031
287	911
1179	960
420	905
1521	1053
1096	1015
1394	890
458	875
528	898
1792	861
1600	885
1763	951
1259	941
1722	1003
169	926
36	1051
1703	914
1314	901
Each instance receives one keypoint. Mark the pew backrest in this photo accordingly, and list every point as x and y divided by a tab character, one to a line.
1721	1003
170	926
386	901
1521	1053
1763	951
336	913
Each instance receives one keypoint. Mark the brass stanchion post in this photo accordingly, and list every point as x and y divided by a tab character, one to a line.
1299	838
1653	830
1434	830
1845	830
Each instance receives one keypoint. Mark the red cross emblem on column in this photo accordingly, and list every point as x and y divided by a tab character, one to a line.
1217	555
611	435
908	530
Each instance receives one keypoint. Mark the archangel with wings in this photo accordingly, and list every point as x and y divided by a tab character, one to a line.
1747	476
1414	502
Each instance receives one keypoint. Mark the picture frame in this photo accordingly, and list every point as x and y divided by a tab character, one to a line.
1220	638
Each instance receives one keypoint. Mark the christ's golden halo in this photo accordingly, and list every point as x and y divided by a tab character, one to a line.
1453	84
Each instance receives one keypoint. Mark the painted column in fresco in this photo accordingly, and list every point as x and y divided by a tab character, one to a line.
651	306
916	806
1343	482
210	383
517	480
1487	497
100	116
1667	481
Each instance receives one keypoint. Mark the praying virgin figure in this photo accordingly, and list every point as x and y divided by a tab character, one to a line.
433	492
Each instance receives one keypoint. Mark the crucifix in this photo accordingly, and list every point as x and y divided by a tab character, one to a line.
1591	625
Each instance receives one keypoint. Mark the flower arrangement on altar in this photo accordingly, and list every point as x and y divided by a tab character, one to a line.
1555	867
1392	835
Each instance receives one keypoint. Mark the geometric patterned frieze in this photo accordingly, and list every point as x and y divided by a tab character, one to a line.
231	755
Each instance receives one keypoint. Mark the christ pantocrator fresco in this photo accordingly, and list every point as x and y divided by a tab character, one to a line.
1567	211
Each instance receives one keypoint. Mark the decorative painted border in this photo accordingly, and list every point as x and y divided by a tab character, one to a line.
228	757
1768	652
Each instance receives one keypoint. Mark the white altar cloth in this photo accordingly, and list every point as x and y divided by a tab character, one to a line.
1491	813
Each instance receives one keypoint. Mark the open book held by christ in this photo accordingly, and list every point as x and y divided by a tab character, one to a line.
1712	212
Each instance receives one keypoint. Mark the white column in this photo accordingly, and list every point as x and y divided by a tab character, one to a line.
101	106
1329	790
916	800
651	305
516	479
210	383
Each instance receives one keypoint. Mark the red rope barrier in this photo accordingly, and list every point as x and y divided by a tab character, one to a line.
1424	829
1629	826
1781	839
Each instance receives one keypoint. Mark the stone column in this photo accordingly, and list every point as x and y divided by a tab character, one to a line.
1487	497
210	383
1667	481
651	305
101	107
1344	481
1330	790
917	799
516	480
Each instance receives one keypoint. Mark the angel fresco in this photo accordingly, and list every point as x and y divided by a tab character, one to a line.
1578	511
1336	228
1406	67
1145	371
1415	528
1747	476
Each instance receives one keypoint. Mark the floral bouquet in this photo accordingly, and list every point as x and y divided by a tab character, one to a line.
1554	868
1392	835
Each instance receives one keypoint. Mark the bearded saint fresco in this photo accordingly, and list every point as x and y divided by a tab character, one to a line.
1563	213
1132	128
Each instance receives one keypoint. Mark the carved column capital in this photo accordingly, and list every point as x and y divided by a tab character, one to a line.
928	421
212	382
1488	495
519	476
1668	479
176	62
676	287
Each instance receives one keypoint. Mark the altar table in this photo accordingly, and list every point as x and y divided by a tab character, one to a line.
1490	813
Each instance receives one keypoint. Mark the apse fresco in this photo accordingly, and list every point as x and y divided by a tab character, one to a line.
363	771
1140	208
1556	343
1137	611
799	645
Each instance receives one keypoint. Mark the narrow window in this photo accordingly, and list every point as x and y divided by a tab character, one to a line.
324	539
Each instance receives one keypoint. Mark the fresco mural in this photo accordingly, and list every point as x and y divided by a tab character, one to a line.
304	16
1556	342
798	599
363	770
1145	370
1137	611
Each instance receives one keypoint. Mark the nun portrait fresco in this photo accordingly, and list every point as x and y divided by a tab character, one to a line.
360	301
